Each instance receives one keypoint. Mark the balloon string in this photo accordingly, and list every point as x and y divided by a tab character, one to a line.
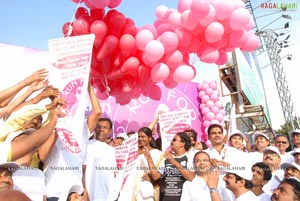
73	17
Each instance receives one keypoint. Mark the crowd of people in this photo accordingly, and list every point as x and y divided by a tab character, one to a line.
35	165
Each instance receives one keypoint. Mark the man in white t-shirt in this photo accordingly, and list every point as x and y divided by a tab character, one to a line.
100	164
63	168
261	141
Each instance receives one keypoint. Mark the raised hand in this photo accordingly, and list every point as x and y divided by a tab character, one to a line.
38	75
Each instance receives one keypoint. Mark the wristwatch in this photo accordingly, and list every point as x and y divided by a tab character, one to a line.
211	190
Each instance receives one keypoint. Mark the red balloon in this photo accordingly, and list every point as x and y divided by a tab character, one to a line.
97	14
114	3
130	29
98	27
127	45
66	28
115	22
131	64
81	11
109	45
81	26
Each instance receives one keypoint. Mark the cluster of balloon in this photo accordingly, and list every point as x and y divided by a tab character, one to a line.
128	61
211	107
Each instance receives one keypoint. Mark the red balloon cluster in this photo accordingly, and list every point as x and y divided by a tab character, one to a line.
211	107
128	61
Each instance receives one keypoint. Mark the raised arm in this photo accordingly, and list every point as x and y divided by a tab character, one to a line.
9	93
96	108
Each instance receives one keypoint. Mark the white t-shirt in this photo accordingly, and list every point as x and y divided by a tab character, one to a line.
30	181
263	197
275	180
64	169
248	196
4	150
100	170
197	190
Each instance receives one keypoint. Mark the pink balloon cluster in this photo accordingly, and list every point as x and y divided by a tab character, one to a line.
211	106
128	61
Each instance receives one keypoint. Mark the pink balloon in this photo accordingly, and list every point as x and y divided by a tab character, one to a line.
184	5
252	42
204	99
239	18
219	104
160	11
214	97
209	91
174	59
188	20
154	92
214	32
204	86
209	17
154	50
81	26
169	40
250	24
215	110
219	117
213	85
210	116
205	110
200	8
183	74
130	65
163	27
151	28
174	20
210	103
127	45
237	38
142	38
98	4
224	9
98	27
159	72
201	93
238	4
170	83
185	38
206	123
114	3
209	55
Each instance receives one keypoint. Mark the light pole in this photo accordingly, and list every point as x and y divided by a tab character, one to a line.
273	49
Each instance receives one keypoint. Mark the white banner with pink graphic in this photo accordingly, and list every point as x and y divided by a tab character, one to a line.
172	123
70	70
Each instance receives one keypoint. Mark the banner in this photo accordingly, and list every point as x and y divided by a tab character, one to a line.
70	70
172	123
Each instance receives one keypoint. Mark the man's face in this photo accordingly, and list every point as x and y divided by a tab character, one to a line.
272	159
231	182
296	139
297	158
176	143
103	130
258	176
6	181
216	136
281	143
75	197
283	192
291	172
202	163
261	142
236	141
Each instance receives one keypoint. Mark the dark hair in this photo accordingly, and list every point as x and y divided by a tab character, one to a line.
149	133
194	133
214	126
186	139
265	168
204	146
200	152
248	183
107	120
295	184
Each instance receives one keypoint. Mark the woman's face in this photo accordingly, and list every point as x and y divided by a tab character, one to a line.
143	139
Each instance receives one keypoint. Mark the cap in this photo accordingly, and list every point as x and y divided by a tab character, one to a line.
11	136
287	165
294	131
122	135
296	151
239	169
271	148
237	132
256	134
11	166
74	189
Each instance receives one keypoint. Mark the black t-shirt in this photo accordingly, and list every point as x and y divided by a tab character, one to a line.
173	180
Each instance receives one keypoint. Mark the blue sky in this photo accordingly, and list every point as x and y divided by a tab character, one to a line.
31	23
